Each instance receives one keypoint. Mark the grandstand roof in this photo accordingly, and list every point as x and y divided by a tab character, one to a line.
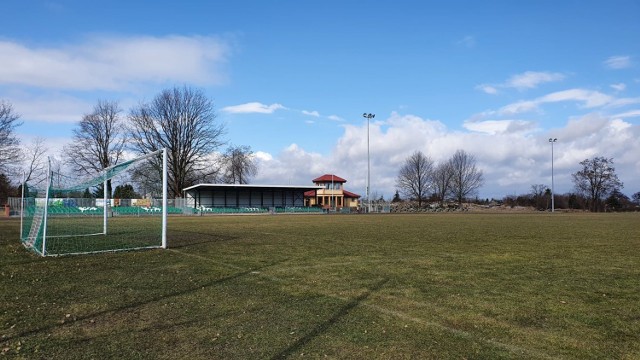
252	187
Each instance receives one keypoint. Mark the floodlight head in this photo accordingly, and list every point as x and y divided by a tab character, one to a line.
553	139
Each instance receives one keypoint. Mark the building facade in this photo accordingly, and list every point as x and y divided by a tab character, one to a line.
332	194
240	196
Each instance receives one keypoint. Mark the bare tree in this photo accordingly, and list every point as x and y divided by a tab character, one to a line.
98	142
596	180
442	176
539	194
239	165
181	120
414	178
9	143
467	178
35	169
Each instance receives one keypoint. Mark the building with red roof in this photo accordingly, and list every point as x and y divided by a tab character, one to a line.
332	194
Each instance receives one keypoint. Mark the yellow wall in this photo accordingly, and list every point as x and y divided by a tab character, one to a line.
333	197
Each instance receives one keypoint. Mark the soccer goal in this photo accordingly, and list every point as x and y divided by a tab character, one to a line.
124	207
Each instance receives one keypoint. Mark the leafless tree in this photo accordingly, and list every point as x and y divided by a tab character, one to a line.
596	180
415	176
182	120
239	165
35	168
9	143
467	178
98	141
539	194
442	176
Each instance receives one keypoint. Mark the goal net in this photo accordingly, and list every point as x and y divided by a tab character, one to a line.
124	207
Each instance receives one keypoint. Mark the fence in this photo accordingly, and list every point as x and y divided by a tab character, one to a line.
179	206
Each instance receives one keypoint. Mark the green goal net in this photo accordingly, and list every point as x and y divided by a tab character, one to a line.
124	207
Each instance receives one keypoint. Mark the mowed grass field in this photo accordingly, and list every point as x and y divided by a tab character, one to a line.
437	286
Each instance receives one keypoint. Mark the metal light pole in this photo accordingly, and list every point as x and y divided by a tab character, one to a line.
553	206
369	117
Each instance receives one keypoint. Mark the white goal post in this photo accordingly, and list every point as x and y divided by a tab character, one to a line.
65	217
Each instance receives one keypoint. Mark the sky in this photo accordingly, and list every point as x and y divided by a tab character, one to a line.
292	79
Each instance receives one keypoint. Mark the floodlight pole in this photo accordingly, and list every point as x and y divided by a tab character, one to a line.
553	207
333	199
368	116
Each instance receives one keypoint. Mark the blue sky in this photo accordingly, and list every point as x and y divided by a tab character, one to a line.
291	79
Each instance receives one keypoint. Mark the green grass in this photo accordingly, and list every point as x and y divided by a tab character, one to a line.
123	233
520	286
64	233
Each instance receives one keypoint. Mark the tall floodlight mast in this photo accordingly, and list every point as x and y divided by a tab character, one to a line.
553	206
368	116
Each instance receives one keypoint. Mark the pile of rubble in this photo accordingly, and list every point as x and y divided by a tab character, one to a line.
427	207
412	207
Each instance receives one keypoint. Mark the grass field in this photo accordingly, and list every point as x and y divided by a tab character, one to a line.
474	286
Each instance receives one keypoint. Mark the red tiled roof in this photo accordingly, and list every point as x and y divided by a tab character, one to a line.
329	178
349	194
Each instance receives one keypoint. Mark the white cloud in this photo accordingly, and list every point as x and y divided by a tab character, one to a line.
115	62
526	80
293	166
499	126
311	113
519	107
618	87
263	156
627	114
511	160
51	108
489	89
468	41
618	62
531	79
335	118
588	98
253	107
624	102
